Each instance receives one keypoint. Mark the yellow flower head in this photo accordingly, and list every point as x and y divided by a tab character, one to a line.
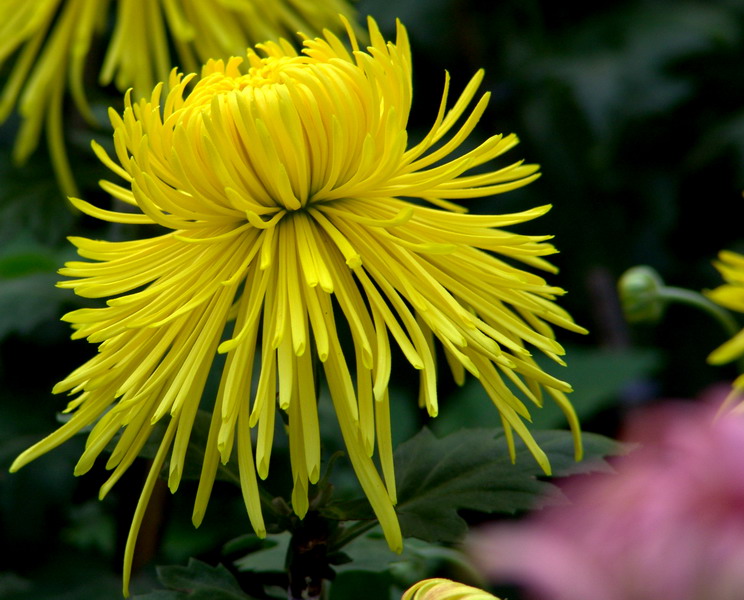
444	589
729	295
53	40
293	206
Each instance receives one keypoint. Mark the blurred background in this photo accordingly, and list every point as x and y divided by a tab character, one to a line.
633	109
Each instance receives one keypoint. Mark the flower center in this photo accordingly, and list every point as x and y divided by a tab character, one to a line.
270	71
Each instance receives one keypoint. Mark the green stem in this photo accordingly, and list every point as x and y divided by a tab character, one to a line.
353	532
696	299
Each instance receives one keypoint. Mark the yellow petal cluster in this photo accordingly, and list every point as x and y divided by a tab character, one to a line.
445	589
51	41
729	295
300	232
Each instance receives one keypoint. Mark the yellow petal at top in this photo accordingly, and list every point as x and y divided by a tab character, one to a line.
301	234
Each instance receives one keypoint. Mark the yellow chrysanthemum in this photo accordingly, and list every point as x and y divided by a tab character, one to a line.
53	40
730	295
444	589
292	200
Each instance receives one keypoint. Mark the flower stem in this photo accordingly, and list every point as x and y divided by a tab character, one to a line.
696	299
353	532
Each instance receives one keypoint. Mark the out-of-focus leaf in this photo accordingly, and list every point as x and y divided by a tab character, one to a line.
27	262
470	469
249	542
31	202
427	22
10	583
361	585
91	528
598	377
162	595
26	302
28	274
632	77
727	135
71	576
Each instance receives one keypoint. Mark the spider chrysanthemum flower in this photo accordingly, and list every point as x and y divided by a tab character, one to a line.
292	201
729	295
52	39
445	589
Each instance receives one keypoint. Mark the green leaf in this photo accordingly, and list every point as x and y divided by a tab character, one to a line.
31	202
26	302
91	528
28	294
270	557
371	552
248	542
376	571
23	263
10	583
361	585
162	595
470	469
619	67
196	581
598	377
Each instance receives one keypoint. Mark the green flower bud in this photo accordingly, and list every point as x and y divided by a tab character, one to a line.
640	290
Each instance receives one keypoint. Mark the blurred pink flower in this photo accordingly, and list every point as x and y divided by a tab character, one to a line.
668	525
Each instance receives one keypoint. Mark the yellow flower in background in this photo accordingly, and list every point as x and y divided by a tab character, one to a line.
444	589
293	206
730	295
52	39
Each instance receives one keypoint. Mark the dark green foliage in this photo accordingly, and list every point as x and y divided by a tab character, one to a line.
470	469
635	112
600	378
196	581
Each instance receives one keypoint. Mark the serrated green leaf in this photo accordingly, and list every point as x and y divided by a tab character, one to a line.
371	553
470	469
200	581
